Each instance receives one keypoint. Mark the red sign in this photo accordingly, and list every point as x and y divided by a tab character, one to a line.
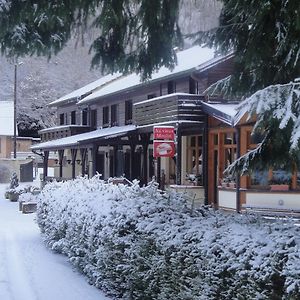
163	133
163	148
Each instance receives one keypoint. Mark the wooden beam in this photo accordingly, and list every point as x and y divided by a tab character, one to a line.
205	161
45	164
73	160
60	160
145	140
178	154
83	153
94	151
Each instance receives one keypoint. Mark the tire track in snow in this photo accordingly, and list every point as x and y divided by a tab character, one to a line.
20	286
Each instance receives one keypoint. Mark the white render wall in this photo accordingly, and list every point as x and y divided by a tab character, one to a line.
227	199
282	200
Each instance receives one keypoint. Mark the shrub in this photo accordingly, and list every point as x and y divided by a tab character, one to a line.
135	243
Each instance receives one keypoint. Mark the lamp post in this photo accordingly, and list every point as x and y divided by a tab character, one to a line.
15	109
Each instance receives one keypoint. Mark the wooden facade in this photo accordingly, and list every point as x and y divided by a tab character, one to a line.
226	143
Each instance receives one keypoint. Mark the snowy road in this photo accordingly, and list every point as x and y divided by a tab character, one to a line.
28	270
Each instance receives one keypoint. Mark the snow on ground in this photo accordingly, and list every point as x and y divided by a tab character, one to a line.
30	271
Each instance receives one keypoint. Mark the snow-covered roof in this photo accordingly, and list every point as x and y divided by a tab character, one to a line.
221	111
7	118
187	60
86	90
75	140
61	127
163	97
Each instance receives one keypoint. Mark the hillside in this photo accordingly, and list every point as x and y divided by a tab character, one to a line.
41	81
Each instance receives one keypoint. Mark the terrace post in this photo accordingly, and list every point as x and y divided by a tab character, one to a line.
83	152
45	165
178	154
205	160
132	161
132	143
73	154
94	150
145	143
60	161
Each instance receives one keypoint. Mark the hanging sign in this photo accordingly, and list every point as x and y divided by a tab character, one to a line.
163	133
163	148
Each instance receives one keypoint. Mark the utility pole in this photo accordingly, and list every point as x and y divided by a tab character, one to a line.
15	113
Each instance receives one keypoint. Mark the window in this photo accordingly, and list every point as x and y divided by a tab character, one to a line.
171	87
61	119
114	115
73	117
128	112
193	86
94	118
105	117
84	117
194	166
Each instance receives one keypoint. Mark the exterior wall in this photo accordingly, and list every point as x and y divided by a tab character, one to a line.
67	109
5	146
13	165
227	199
138	95
284	200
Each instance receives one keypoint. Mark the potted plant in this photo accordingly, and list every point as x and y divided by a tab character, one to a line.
193	178
12	194
228	182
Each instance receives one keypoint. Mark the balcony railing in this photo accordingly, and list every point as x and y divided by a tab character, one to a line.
168	108
58	132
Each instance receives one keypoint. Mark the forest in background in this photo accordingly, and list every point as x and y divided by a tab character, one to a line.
40	80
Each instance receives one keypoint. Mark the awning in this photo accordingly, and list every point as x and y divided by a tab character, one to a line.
84	138
223	112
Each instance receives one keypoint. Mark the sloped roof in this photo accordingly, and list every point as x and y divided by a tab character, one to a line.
86	90
187	61
7	118
232	114
75	140
221	111
195	58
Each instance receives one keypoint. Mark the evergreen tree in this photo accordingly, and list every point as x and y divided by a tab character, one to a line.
14	181
140	36
133	35
264	37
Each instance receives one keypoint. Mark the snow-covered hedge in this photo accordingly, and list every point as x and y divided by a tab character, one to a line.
135	243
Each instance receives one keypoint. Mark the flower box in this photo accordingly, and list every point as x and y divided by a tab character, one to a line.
13	196
279	187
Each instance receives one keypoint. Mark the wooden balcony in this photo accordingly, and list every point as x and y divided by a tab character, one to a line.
168	109
58	132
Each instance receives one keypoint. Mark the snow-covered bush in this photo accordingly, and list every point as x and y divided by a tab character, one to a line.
14	181
135	243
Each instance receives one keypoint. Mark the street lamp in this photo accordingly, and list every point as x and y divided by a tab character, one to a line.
15	109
